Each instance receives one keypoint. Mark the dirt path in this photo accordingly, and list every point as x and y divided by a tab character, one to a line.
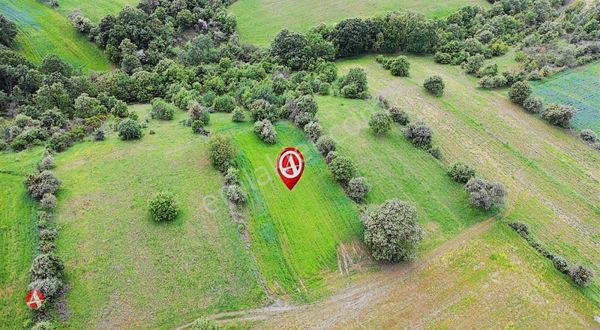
348	303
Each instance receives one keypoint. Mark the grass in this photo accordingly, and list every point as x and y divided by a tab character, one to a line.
295	234
260	20
17	236
552	178
43	31
396	169
577	87
124	269
95	10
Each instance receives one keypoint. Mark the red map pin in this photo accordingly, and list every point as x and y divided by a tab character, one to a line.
290	166
34	299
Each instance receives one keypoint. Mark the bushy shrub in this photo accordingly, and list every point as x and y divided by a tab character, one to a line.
221	152
224	103
47	163
380	122
588	136
559	114
473	63
238	115
46	266
325	144
521	228
419	134
533	104
358	188
48	201
400	66
491	82
120	109
39	184
44	325
485	194
325	88
581	275
265	131
313	130
99	134
197	112
232	176
262	109
461	172
163	207
519	92
204	324
561	264
399	116
86	106
303	118
129	129
434	85
162	110
391	231
198	127
342	168
354	84
48	234
235	194
50	286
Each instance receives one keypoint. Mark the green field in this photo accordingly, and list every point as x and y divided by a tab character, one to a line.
124	269
17	236
295	234
97	9
396	169
552	180
578	87
43	31
260	20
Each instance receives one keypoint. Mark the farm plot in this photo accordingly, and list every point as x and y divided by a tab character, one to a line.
260	20
578	87
552	178
43	31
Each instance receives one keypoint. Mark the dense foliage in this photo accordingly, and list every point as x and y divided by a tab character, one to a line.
221	152
485	194
163	207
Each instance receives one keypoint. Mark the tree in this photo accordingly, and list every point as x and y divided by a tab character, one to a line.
162	110
358	188
129	129
8	31
120	109
559	114
473	64
52	63
399	116
485	194
342	168
399	66
325	144
86	106
380	122
350	37
221	152
198	112
434	85
313	130
354	84
533	104
519	92
419	134
201	50
588	135
391	231
238	115
163	207
39	184
265	131
581	275
46	266
224	103
461	172
235	194
53	96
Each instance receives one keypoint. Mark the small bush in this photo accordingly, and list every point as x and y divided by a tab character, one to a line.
48	235
419	134
485	194
99	134
399	116
50	287
48	201
44	325
47	163
120	109
198	127
46	266
199	113
262	109
238	115
559	114
325	144
221	152
325	88
380	123
461	172
235	194
581	275
204	324
521	228
358	188
519	92
129	129
399	66
232	176
313	130
42	183
354	84
342	168
434	85
589	136
561	264
265	131
163	207
533	104
162	110
224	103
491	82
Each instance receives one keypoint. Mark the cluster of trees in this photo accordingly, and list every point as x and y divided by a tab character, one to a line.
398	66
483	194
580	274
222	152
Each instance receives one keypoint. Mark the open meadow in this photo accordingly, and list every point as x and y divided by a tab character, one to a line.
260	20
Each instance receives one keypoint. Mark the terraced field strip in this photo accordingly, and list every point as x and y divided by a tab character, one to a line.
97	9
127	271
552	178
43	30
294	234
260	20
578	87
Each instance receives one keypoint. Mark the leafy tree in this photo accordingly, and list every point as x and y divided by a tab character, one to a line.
120	109
265	131
533	104
86	106
519	92
485	194
313	130
380	122
46	266
162	110
39	184
54	96
391	231
399	66
588	135
8	31
235	194
559	114
325	144
224	103
434	85
358	188
350	37
221	152
238	115
201	50
399	116
129	129
354	84
262	109
461	172
419	134
561	264
581	275
342	168
473	63
198	112
52	63
163	207
298	51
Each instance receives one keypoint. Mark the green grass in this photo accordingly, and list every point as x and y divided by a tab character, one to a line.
577	87
17	236
552	178
95	10
43	30
396	169
260	20
124	269
295	233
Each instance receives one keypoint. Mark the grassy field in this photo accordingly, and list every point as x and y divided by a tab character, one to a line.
578	87
43	31
396	169
260	20
552	178
295	234
17	236
124	269
95	10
